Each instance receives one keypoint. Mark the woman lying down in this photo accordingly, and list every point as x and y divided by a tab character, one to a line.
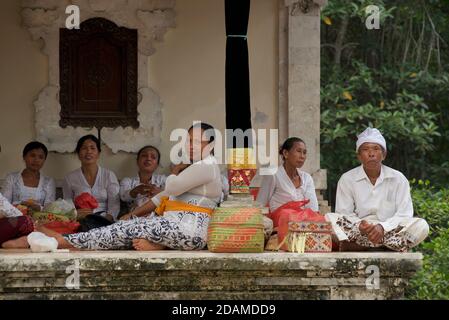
191	194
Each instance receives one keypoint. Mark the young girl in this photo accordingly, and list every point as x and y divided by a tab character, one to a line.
136	191
29	187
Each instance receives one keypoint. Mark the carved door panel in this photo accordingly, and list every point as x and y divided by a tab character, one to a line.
98	75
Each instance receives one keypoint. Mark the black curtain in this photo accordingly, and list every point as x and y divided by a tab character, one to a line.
238	108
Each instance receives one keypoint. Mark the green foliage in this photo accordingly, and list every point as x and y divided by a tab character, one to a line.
432	204
431	282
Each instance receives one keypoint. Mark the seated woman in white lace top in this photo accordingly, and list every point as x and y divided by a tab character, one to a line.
135	191
101	183
29	187
289	183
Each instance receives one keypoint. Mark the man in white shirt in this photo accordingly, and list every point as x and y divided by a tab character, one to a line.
374	207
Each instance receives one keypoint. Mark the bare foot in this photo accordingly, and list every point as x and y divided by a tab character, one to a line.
19	243
62	243
145	245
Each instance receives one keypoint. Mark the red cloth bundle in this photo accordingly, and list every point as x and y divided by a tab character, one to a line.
63	227
86	201
296	210
293	211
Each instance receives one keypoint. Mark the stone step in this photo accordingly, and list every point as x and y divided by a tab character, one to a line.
173	274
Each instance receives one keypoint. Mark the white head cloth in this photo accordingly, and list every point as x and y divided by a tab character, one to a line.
371	135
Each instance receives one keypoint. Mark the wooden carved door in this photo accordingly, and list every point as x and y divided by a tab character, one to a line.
98	75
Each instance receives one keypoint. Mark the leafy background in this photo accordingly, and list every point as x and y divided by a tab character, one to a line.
395	78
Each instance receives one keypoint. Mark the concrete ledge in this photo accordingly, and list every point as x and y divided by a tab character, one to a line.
204	275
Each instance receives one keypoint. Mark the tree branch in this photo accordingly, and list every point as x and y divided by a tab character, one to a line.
340	38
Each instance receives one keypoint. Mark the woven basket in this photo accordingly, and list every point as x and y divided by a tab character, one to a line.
308	236
236	230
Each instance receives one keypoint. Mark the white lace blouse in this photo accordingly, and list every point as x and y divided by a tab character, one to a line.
106	190
199	184
15	191
278	189
7	209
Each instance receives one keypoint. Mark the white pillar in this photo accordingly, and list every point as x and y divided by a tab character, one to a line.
299	79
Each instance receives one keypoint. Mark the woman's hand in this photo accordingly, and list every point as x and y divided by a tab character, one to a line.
143	189
109	217
127	216
82	213
178	168
141	211
32	204
155	190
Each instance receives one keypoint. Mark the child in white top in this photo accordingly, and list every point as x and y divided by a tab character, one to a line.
141	188
29	187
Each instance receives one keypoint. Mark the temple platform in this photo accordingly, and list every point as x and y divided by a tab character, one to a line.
204	275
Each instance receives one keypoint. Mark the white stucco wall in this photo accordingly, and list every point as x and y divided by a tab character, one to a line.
187	71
